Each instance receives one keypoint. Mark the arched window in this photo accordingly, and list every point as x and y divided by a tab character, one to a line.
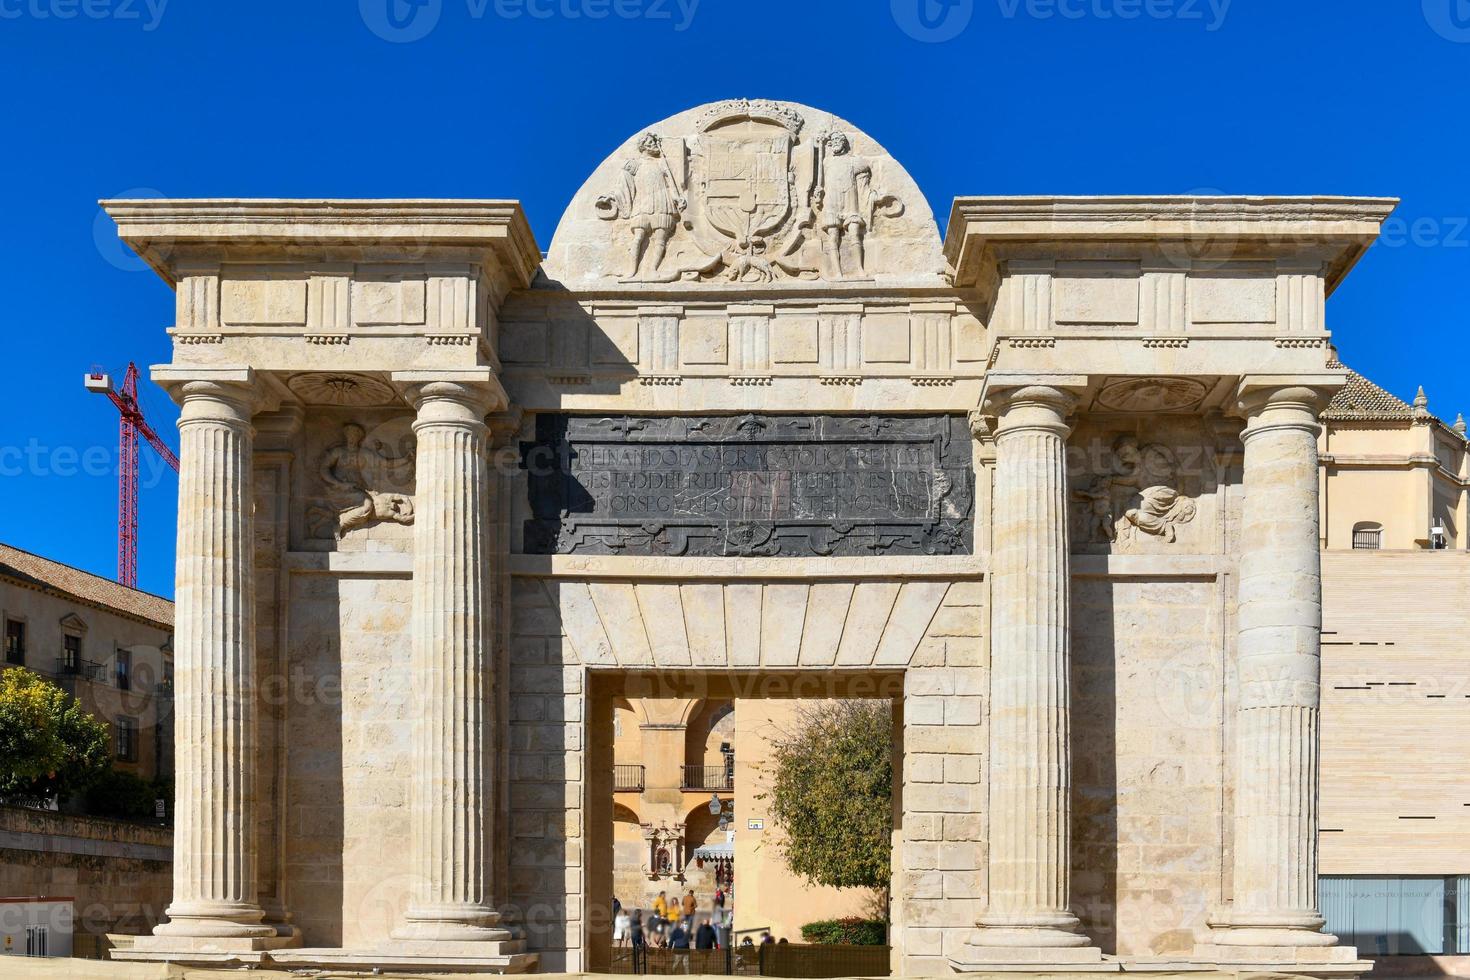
1367	536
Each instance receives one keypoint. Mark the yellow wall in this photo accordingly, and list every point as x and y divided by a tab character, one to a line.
663	735
1404	476
767	895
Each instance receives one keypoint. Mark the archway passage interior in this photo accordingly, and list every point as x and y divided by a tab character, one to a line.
662	804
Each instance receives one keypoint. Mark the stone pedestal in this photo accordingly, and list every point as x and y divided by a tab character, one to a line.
215	910
1273	920
1028	919
451	913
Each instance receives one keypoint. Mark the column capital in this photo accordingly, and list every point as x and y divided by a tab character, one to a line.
1056	393
505	426
474	393
231	389
1258	393
1031	404
1001	387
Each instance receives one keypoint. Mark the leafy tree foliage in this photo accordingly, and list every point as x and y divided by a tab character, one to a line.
49	745
831	793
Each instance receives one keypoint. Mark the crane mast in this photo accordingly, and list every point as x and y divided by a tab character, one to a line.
131	424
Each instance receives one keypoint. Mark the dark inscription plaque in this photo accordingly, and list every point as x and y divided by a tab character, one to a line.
750	485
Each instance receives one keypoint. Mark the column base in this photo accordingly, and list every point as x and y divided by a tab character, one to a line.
204	950
1031	941
1310	961
475	957
1284	942
1031	959
420	958
278	919
214	920
451	924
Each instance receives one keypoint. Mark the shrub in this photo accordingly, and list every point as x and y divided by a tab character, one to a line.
123	796
846	932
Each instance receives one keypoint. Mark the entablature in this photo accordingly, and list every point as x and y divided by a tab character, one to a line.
343	285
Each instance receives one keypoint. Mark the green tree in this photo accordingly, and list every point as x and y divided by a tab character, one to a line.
831	793
49	746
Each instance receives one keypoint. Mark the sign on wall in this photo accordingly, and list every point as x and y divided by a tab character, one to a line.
750	485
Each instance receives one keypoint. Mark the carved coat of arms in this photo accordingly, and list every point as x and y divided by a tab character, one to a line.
748	198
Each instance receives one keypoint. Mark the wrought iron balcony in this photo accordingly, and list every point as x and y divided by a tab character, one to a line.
708	778
88	670
627	779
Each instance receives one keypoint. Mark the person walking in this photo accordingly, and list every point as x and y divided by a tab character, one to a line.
661	906
640	944
705	937
622	924
691	905
679	943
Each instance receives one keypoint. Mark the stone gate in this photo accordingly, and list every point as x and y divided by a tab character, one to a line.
750	426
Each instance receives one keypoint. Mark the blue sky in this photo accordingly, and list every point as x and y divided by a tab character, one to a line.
522	98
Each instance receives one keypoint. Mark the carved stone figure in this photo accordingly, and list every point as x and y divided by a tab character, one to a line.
354	471
746	198
651	201
846	207
1156	509
1160	510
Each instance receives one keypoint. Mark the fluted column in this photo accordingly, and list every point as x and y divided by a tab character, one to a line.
1028	917
1278	652
214	671
452	792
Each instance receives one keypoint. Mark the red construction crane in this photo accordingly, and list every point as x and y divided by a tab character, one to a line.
131	423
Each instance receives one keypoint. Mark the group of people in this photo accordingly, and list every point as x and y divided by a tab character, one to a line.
671	923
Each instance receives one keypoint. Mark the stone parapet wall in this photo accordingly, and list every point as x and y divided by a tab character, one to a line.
118	873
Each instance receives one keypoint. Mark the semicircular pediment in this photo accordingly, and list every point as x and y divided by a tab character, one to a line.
747	191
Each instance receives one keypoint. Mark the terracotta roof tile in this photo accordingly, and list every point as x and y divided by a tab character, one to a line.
94	590
1361	399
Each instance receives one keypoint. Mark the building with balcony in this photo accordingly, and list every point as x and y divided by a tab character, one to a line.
106	644
671	758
